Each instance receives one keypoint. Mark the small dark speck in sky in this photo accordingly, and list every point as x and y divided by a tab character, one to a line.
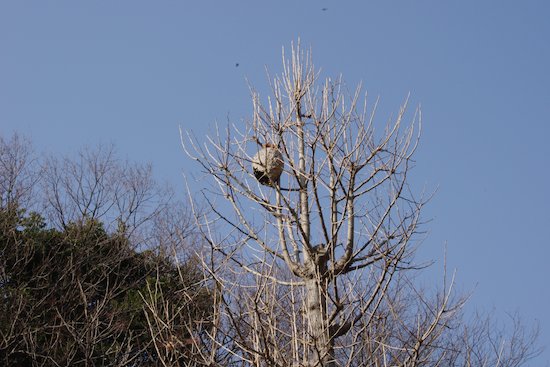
236	64
324	9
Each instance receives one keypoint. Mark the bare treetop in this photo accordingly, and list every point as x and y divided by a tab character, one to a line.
320	247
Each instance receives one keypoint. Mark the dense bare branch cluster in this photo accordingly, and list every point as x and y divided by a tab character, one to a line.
97	185
18	171
314	267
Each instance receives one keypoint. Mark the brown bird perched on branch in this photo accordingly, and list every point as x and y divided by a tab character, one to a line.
268	164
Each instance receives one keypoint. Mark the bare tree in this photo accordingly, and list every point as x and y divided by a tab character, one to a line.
315	261
18	171
97	185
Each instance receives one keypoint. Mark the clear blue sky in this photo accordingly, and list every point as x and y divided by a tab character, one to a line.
130	72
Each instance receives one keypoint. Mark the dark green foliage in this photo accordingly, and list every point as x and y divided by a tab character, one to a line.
77	296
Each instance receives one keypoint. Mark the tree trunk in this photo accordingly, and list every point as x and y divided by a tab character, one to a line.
322	351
